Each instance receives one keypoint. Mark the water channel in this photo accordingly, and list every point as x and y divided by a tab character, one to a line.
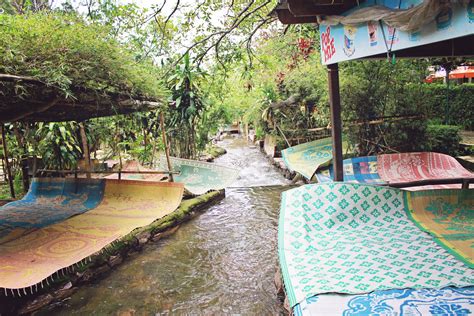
221	262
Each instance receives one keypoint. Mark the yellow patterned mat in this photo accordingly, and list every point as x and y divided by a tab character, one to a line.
448	215
126	205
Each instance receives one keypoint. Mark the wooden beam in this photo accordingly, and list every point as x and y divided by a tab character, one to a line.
285	17
464	181
25	114
12	78
7	163
336	122
320	7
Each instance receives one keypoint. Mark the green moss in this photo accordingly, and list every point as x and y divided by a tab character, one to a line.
216	151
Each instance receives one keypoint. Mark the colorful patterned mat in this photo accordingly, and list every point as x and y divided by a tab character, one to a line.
356	170
448	215
355	239
404	302
308	157
406	167
134	165
49	200
126	205
200	177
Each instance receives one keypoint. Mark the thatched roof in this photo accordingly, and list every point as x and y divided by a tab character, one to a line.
45	104
57	67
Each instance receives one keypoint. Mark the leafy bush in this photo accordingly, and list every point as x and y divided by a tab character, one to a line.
444	139
59	146
376	89
461	104
66	53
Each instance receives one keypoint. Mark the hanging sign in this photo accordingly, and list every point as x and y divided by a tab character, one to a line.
342	42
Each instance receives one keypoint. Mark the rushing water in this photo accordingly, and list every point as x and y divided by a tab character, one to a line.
221	262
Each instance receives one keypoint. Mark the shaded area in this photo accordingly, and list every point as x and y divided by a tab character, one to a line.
448	215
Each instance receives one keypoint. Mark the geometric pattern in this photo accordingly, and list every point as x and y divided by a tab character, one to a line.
353	238
406	167
308	157
355	170
126	205
447	215
403	302
49	200
200	177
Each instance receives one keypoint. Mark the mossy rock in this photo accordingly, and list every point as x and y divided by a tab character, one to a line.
216	151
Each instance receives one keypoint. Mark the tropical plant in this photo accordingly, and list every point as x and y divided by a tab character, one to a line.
186	109
59	145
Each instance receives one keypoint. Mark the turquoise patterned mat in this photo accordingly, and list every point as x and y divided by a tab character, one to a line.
354	239
200	177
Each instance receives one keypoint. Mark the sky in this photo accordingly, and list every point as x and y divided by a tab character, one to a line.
184	5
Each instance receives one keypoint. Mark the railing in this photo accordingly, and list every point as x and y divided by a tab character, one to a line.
464	181
120	172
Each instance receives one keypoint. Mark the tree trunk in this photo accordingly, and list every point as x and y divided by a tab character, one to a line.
85	148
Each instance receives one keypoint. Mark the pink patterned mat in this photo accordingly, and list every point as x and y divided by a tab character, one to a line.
407	167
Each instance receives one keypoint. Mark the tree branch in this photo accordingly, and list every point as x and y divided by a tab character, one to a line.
252	34
11	78
244	14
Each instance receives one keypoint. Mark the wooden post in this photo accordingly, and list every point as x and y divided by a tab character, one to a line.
23	159
336	123
165	142
447	67
7	163
85	148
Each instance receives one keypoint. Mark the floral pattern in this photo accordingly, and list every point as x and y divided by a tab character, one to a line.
448	301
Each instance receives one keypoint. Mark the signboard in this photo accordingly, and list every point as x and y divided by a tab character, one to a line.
341	43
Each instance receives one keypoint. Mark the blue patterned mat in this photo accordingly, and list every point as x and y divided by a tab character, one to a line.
406	302
49	200
356	170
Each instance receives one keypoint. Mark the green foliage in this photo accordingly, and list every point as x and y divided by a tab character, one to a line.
460	110
59	145
285	67
66	53
444	139
111	48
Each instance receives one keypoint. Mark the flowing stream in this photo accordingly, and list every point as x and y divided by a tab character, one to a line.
221	262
